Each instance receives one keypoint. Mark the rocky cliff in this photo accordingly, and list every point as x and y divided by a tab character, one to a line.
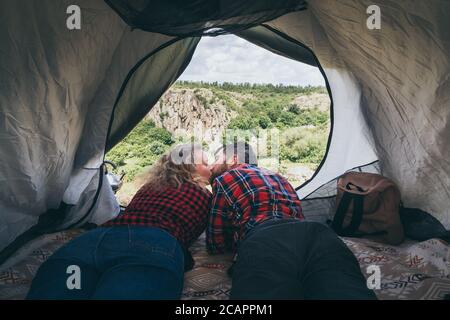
202	112
185	112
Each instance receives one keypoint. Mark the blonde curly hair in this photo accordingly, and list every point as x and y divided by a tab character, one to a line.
175	168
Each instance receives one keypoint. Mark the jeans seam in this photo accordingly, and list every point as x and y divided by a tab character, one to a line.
100	240
173	238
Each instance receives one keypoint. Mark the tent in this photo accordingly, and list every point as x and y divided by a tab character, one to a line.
69	95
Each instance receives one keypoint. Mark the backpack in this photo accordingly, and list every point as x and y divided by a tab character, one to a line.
367	205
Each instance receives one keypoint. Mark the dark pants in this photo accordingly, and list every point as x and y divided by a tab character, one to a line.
296	260
123	262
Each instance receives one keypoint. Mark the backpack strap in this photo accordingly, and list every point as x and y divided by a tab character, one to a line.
356	219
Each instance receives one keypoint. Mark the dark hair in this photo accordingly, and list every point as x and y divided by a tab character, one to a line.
242	149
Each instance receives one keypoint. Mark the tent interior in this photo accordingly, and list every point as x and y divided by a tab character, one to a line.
69	96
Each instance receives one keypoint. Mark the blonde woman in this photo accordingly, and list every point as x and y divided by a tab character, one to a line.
140	254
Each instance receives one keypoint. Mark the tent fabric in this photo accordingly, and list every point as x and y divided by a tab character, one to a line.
68	94
148	80
402	74
58	92
270	40
47	85
197	17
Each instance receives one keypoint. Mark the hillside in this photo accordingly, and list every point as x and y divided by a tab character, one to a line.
204	112
182	110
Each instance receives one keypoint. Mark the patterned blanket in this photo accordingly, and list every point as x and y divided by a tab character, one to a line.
413	270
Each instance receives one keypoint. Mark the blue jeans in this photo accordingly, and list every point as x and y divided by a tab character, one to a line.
120	262
289	259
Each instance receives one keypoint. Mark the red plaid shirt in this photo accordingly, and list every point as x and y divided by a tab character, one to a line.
183	211
244	197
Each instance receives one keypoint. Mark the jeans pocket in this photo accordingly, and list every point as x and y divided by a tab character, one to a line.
152	248
153	240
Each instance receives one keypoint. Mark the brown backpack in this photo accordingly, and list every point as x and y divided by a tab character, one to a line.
367	205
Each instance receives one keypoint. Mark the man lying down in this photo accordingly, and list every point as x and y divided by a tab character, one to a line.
257	214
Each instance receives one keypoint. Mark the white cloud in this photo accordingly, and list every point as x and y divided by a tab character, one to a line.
233	59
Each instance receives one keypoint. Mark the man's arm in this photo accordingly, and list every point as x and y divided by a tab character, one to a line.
219	232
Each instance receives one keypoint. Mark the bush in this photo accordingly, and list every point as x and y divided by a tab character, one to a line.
161	135
157	148
243	123
147	160
294	109
252	107
273	114
264	122
303	151
305	145
287	119
313	117
140	148
118	156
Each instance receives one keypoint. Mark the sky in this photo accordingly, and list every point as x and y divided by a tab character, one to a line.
229	58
